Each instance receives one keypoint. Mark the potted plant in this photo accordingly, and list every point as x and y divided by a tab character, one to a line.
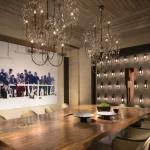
103	107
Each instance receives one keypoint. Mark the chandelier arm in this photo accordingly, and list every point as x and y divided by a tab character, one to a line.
47	10
54	64
50	58
38	63
70	34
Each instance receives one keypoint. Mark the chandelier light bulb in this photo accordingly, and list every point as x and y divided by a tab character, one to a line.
26	21
34	11
108	61
117	42
72	14
41	11
108	22
106	40
62	45
32	41
42	44
54	32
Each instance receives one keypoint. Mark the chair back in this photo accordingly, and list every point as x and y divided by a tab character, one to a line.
28	113
2	118
137	106
48	110
122	105
64	105
145	124
119	143
138	133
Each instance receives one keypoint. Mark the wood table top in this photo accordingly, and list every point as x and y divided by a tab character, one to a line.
56	131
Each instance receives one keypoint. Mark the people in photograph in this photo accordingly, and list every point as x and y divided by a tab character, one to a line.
26	81
14	82
33	93
8	75
53	87
22	80
49	82
4	90
41	81
35	78
18	78
45	87
30	79
2	76
20	89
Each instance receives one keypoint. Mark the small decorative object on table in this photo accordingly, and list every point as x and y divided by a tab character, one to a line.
103	107
116	110
83	116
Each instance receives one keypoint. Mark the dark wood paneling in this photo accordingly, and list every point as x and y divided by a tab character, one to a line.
66	80
93	85
135	50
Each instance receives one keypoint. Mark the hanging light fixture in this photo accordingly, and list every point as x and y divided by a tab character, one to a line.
125	59
145	57
121	72
48	27
141	99
135	58
135	84
100	44
122	98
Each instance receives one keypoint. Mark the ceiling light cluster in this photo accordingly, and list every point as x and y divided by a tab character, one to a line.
48	26
100	43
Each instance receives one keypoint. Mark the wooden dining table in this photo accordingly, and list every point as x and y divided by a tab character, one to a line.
62	131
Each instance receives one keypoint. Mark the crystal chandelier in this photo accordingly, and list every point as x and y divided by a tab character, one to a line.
48	27
100	44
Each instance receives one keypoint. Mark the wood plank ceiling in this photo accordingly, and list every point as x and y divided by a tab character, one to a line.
127	14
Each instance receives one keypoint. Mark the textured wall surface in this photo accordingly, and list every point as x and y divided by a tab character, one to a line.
114	94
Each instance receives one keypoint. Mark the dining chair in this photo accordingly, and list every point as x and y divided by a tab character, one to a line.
137	106
48	110
145	124
64	105
130	144
28	113
2	118
138	133
122	105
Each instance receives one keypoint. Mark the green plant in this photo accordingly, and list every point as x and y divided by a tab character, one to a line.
103	105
